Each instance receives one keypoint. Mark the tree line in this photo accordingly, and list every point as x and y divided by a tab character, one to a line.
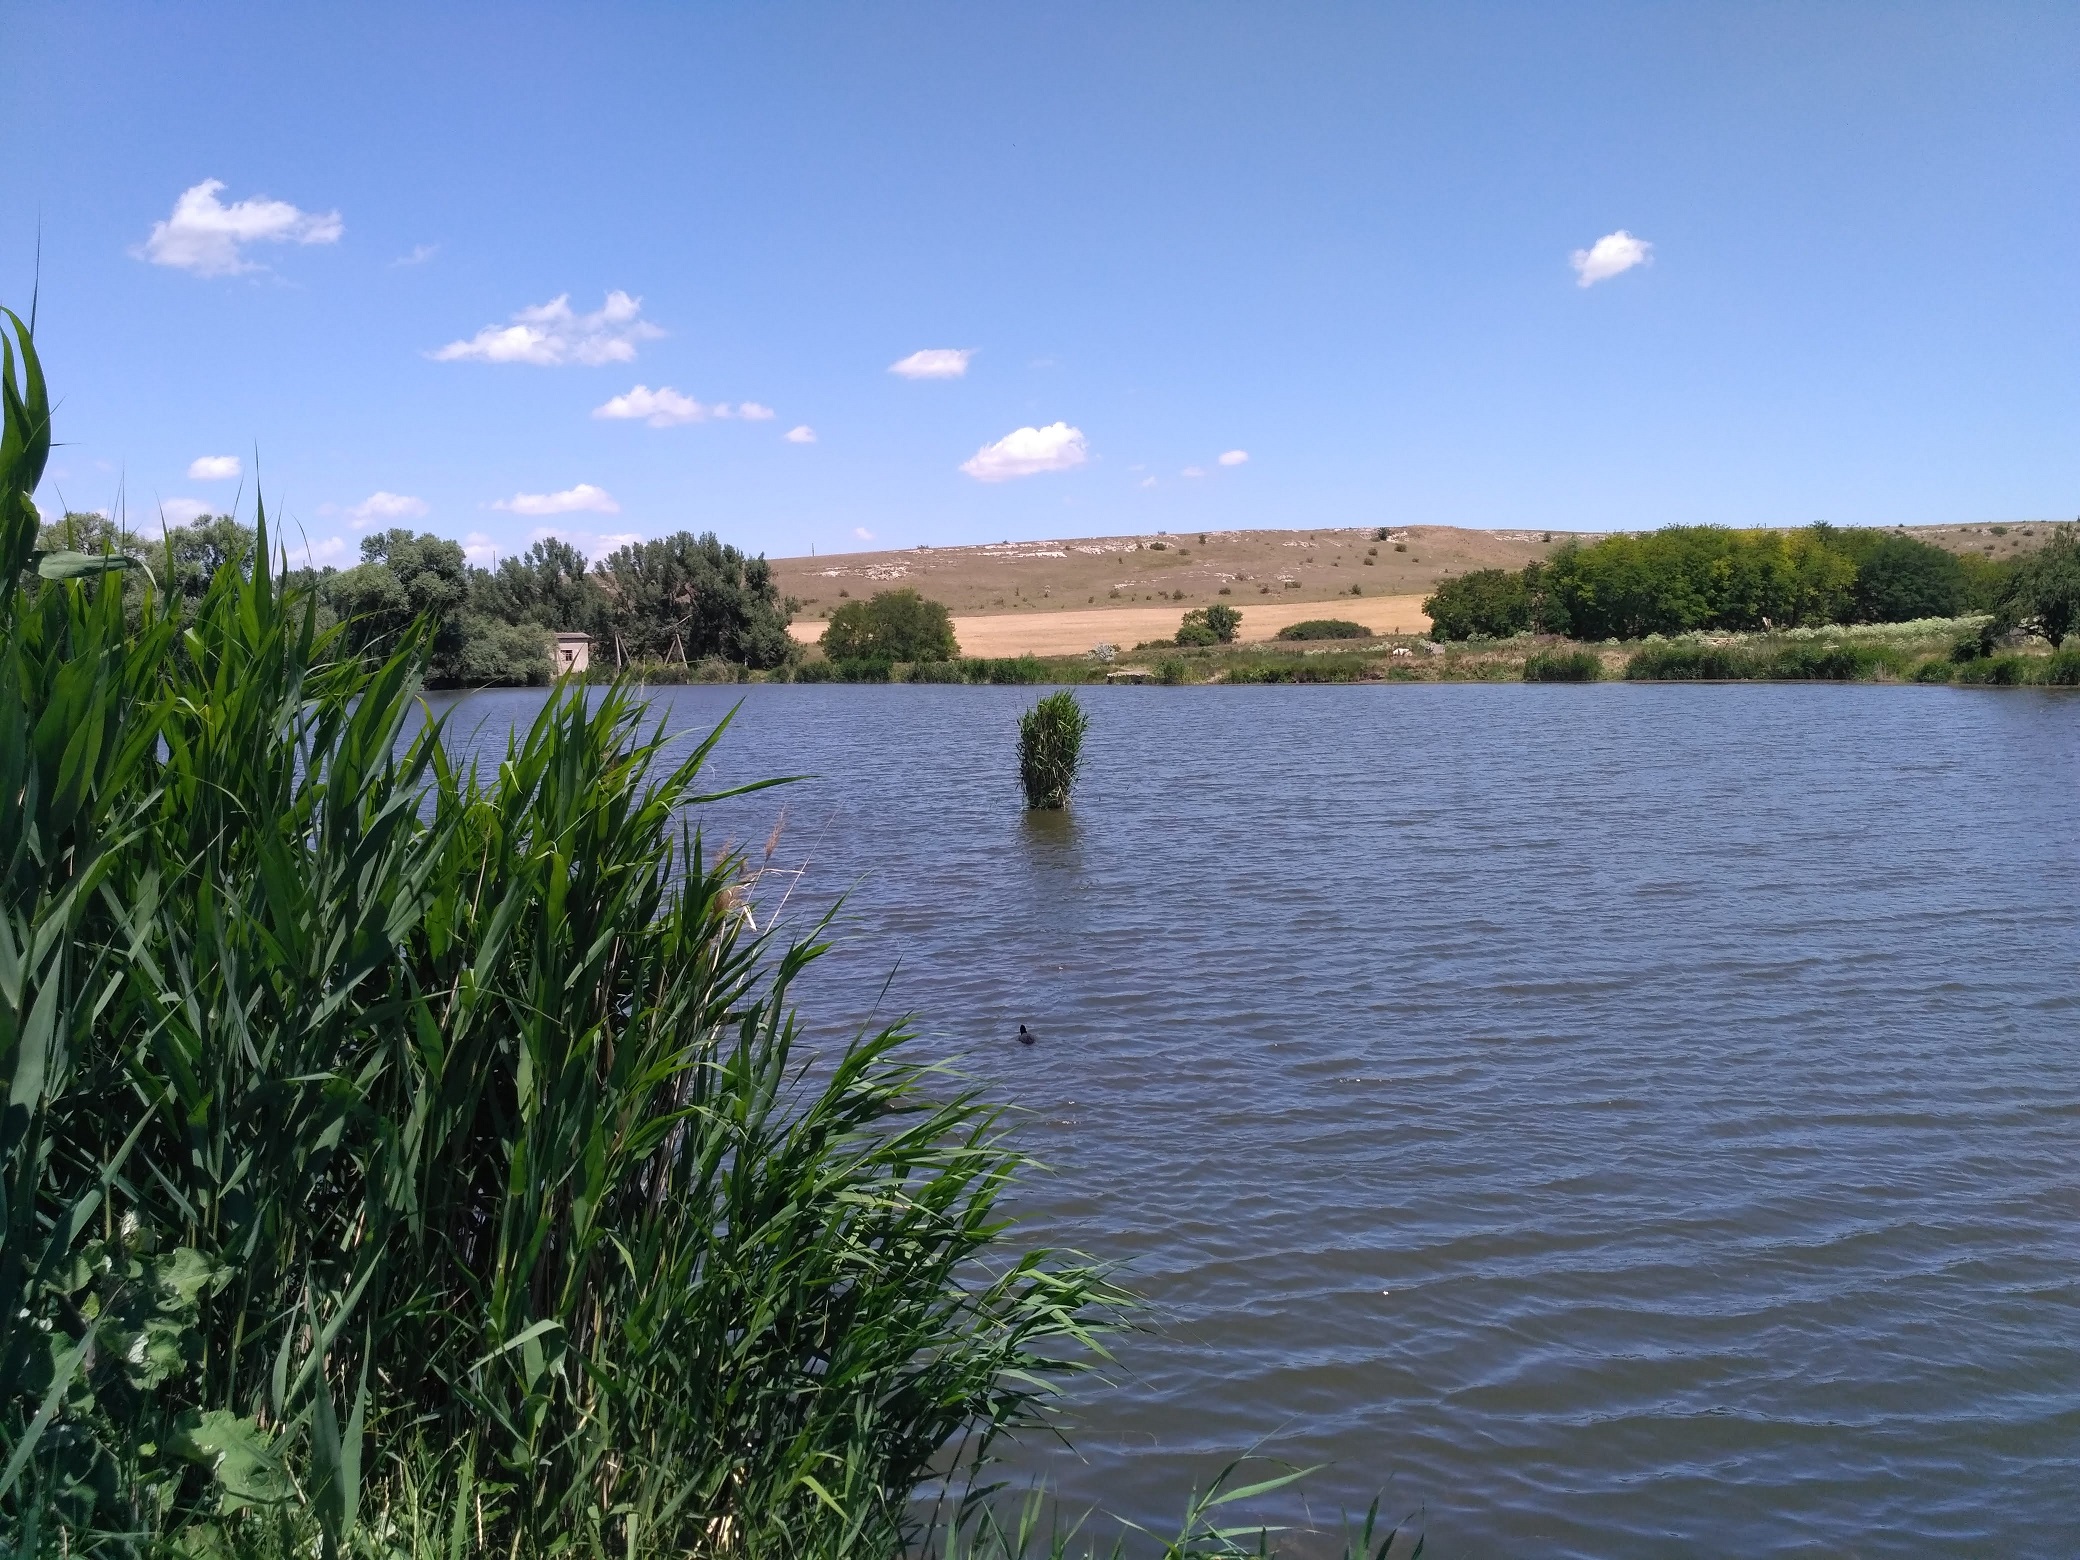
1684	579
677	600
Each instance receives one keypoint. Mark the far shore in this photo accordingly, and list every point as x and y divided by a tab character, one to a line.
1077	631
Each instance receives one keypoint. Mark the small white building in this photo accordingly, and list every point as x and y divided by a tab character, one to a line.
573	653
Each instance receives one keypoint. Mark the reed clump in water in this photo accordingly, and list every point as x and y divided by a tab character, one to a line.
1050	748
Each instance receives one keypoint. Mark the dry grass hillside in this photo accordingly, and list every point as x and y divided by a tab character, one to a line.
1061	597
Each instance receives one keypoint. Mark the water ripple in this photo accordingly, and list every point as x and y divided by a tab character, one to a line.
1624	1121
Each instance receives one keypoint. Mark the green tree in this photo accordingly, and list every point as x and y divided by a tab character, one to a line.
195	551
403	579
1898	579
1214	625
682	598
2043	595
1484	604
895	625
549	585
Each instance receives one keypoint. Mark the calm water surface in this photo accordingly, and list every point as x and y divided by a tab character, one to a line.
1619	1121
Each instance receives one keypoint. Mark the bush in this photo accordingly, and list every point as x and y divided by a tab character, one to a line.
1050	750
866	669
1214	625
896	625
1325	628
1572	666
1483	604
2062	670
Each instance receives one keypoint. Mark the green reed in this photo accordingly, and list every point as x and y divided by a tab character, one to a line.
404	1159
1050	749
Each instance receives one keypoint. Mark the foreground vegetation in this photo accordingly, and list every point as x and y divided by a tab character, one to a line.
403	1161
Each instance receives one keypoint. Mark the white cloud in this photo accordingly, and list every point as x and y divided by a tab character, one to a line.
479	549
801	435
863	533
1148	482
385	506
421	253
1025	452
331	550
550	334
1609	256
179	511
934	363
1193	471
213	468
663	407
570	501
1235	458
592	544
203	235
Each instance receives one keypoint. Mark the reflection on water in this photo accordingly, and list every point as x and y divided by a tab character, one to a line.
1622	1120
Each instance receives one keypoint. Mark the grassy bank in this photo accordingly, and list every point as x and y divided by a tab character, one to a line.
1931	650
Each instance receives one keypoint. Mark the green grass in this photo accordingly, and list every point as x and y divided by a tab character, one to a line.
1577	666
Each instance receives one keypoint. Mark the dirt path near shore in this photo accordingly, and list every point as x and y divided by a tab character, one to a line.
1073	632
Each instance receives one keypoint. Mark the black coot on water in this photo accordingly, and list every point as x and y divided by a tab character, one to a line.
1026	1036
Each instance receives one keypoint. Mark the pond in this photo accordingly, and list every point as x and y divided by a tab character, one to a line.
1614	1120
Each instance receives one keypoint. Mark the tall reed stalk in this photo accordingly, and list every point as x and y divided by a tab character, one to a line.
404	1158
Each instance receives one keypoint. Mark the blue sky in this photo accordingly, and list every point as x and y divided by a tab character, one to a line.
1337	240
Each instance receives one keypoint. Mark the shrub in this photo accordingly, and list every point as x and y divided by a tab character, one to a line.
895	625
2042	597
1214	625
1999	671
1325	628
1573	666
862	670
2062	670
1483	604
1050	749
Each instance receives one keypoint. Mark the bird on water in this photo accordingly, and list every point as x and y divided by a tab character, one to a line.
1026	1036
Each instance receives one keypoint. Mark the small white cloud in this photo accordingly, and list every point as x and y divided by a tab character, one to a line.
203	235
1026	452
180	511
751	411
804	434
593	544
550	334
385	506
1235	458
213	468
1609	256
331	550
479	549
934	363
863	533
1193	471
420	254
660	408
574	500
1148	482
